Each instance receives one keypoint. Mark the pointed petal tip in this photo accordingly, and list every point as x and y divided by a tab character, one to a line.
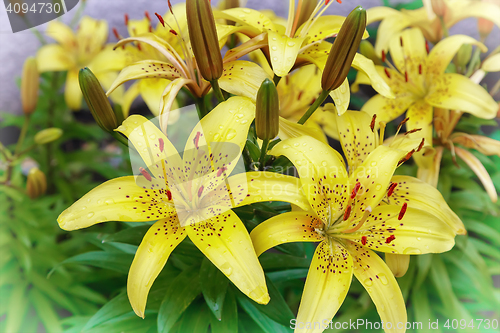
260	295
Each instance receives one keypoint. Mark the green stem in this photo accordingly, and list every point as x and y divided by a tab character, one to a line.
24	129
217	91
34	30
475	59
312	108
495	88
5	152
446	33
201	108
263	152
276	79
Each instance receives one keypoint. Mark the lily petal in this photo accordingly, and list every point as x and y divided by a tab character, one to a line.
248	17
324	27
321	170
152	93
61	33
444	51
409	54
327	284
72	93
492	64
457	92
483	144
167	101
119	199
380	284
224	240
242	78
480	172
420	116
106	79
138	27
54	57
91	35
429	171
341	97
366	66
109	59
128	98
356	137
423	196
153	252
327	120
289	129
283	52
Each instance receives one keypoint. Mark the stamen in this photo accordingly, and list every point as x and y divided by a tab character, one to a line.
427	46
145	173
403	211
420	69
347	212
117	35
363	240
383	56
387	73
221	170
196	140
421	145
326	2
169	195
126	19
170	7
406	76
372	124
150	28
401	125
367	213
401	41
382	132
406	158
147	15
162	144
391	189
160	19
390	239
200	191
413	131
173	32
355	190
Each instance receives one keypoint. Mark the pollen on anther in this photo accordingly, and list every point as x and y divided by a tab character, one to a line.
387	73
363	240
146	13
126	19
355	190
383	56
391	189
406	76
347	212
160	19
372	124
390	239
169	195
162	144
421	145
145	173
402	211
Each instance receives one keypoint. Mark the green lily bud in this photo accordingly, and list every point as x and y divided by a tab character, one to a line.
463	55
306	10
97	101
267	111
366	48
228	4
344	49
36	184
29	86
398	263
203	36
48	135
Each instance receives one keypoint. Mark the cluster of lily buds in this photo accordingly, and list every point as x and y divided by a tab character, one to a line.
29	86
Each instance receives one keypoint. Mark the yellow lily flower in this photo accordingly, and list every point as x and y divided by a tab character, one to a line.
420	84
188	196
394	21
86	48
353	213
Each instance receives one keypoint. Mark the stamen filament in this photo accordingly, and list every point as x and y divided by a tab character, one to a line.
367	213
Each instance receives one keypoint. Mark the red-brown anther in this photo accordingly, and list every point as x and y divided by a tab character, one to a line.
326	2
413	131
196	140
401	41
162	144
145	173
372	124
406	158
402	123
300	95
139	47
363	240
383	56
150	28
200	191
347	212
220	171
339	1
391	189
115	32
387	73
420	69
173	32
402	211
390	239
406	76
160	19
169	195
170	7
421	145
126	19
427	46
355	190
147	15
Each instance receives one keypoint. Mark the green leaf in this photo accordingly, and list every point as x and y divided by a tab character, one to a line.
45	311
229	321
119	262
213	286
254	150
424	263
287	275
17	306
196	318
483	230
181	292
274	261
132	235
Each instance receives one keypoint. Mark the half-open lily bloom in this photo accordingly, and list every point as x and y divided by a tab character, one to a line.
86	48
241	78
420	84
394	21
187	196
353	213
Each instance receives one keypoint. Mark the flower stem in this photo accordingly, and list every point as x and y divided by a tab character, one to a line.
24	129
263	152
217	91
201	108
313	107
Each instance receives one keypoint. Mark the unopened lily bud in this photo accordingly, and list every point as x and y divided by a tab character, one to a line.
439	7
203	36
36	184
96	100
29	86
267	111
484	26
366	48
306	10
228	4
463	55
398	263
48	135
344	49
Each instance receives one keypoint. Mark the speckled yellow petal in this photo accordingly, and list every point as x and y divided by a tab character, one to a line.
224	240
242	78
128	98
283	52
324	27
247	16
54	57
152	92
381	285
152	254
72	93
119	199
167	102
421	195
409	54
327	284
420	116
366	66
289	129
322	173
341	97
285	228
457	92
479	170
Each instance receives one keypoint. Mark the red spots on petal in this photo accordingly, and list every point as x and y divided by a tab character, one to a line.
383	56
355	190
200	190
347	212
145	173
221	170
402	211
169	195
146	13
162	144
161	18
391	189
387	73
126	19
390	239
363	240
372	124
197	139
